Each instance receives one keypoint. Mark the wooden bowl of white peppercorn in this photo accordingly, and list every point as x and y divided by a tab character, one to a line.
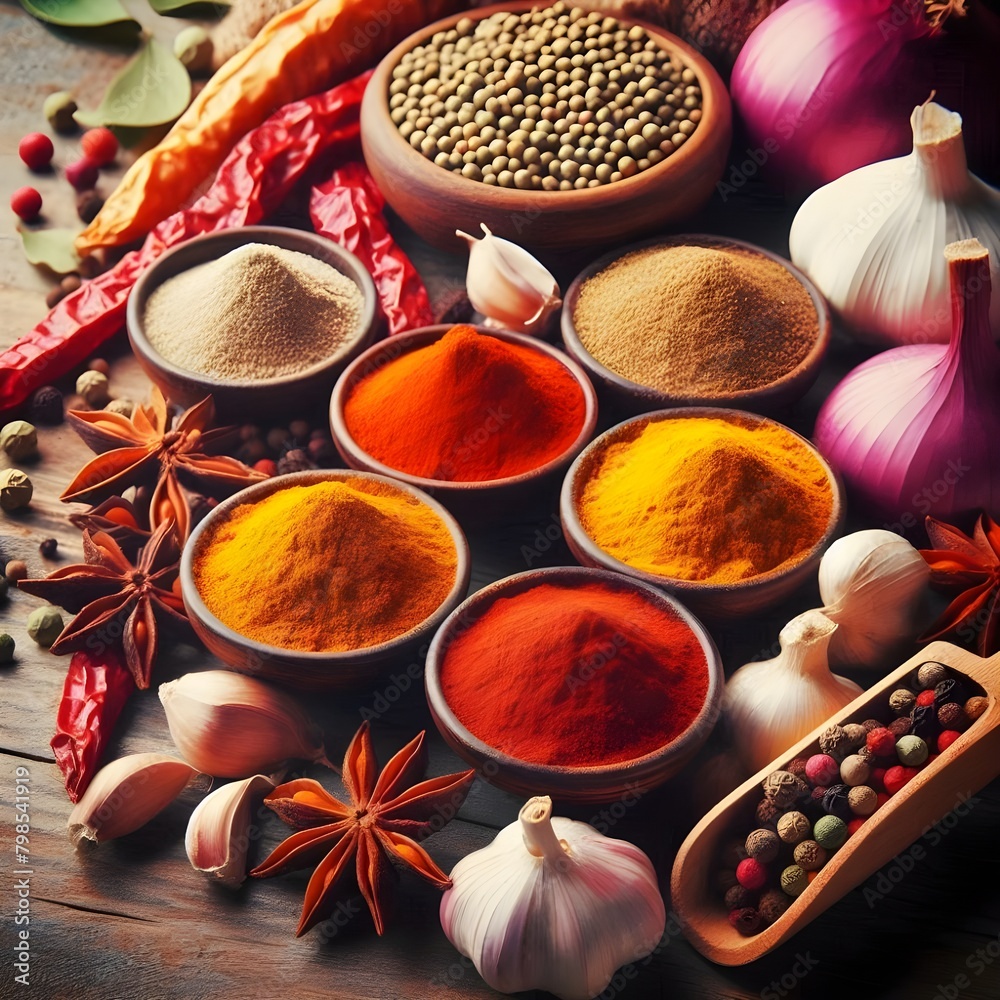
436	201
246	398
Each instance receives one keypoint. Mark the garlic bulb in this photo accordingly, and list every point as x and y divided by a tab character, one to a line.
873	585
553	905
217	835
772	704
127	793
508	286
873	240
232	726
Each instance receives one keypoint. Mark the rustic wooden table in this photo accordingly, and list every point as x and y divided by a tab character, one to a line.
132	921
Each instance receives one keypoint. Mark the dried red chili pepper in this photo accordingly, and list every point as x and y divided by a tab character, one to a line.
252	182
348	210
96	689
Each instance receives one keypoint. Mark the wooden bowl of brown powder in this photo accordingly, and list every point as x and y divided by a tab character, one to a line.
696	321
263	318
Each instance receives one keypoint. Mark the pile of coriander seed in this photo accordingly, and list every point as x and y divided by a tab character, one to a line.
552	99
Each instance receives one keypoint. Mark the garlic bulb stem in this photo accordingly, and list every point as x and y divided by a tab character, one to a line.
536	827
938	145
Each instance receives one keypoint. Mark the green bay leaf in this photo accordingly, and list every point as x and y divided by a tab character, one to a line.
151	89
78	13
51	248
206	10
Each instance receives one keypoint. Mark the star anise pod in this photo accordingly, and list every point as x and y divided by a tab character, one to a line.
971	567
386	817
115	602
119	519
181	458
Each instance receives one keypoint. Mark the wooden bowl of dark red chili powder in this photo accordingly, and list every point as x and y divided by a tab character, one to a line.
483	419
324	579
696	320
577	683
729	511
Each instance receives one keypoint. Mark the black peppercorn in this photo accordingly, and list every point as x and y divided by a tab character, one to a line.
88	204
299	429
947	690
48	547
767	812
47	406
737	897
923	723
900	727
322	450
952	716
835	802
745	920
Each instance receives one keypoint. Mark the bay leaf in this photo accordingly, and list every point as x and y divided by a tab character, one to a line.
51	248
204	10
151	89
78	13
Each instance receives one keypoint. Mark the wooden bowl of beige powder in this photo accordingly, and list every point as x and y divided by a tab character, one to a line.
263	318
696	320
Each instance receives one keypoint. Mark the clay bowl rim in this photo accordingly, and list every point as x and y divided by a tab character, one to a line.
777	390
422	337
638	767
258	491
349	265
578	536
716	113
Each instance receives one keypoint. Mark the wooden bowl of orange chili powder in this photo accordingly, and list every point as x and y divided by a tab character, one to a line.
728	510
577	683
482	419
323	579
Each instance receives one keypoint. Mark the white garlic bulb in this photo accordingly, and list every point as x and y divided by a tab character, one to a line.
873	584
508	286
873	240
772	704
553	905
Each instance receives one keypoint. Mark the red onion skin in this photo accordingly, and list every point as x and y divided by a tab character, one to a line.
823	87
916	430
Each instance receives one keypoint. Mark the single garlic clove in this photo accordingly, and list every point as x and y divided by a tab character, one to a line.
509	286
218	833
127	793
233	726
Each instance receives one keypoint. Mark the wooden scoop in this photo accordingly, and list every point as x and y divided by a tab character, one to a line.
971	762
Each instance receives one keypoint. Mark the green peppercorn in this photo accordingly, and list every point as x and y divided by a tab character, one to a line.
44	625
6	648
15	490
19	439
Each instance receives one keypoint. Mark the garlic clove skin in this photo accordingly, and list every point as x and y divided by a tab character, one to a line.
872	240
874	585
509	286
233	726
217	837
127	793
771	704
552	904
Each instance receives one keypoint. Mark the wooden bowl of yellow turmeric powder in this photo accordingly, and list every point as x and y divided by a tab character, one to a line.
323	579
728	510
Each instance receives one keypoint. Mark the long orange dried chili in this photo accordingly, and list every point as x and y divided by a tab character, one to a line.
315	44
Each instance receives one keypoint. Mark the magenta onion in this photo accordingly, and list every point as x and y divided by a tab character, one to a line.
826	86
915	430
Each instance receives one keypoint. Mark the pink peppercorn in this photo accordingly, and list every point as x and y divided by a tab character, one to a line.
946	739
882	743
822	769
36	150
896	777
926	697
854	825
877	778
751	874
